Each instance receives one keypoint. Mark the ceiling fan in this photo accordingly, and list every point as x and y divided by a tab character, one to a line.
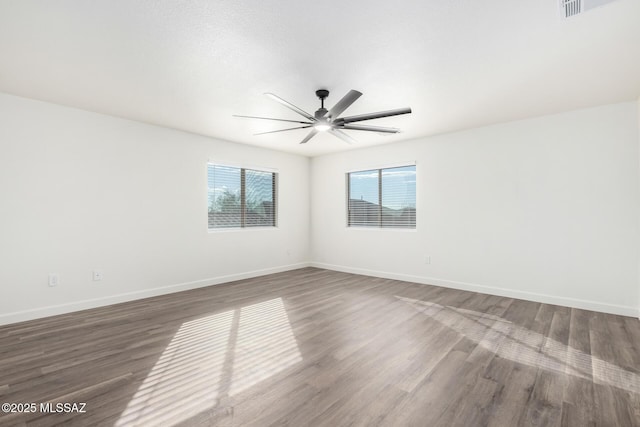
329	120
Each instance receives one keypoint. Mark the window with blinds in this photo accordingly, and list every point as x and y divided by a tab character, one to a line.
382	198
239	197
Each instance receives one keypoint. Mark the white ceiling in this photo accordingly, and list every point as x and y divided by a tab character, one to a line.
190	65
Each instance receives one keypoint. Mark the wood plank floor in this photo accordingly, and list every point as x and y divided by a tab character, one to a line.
313	347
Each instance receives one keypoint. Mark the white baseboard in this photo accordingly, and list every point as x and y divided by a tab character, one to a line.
20	316
491	290
37	313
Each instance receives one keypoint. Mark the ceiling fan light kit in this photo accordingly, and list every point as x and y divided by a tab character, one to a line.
324	120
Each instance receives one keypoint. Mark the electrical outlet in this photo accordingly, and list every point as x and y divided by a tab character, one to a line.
97	275
427	259
54	279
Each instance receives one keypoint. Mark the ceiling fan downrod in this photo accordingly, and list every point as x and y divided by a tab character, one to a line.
322	94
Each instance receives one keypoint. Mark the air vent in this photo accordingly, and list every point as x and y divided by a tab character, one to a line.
569	8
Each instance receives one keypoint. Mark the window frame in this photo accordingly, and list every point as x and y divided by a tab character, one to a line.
380	222
243	214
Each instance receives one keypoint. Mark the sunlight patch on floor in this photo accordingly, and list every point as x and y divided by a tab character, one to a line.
211	358
521	345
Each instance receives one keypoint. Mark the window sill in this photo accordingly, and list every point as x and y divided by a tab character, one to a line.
402	230
239	229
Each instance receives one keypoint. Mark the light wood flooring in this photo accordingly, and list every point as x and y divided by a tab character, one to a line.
312	347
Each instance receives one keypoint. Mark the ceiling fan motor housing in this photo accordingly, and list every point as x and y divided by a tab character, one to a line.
321	112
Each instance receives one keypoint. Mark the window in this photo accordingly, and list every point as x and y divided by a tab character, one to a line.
239	197
382	198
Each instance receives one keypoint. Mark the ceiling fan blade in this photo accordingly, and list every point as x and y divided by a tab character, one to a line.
282	130
308	137
269	118
343	104
291	107
370	128
343	136
371	116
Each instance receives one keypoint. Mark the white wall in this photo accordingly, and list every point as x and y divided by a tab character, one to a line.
81	191
545	209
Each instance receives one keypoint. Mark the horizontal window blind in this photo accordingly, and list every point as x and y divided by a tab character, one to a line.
239	197
382	198
364	197
398	197
224	196
260	188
